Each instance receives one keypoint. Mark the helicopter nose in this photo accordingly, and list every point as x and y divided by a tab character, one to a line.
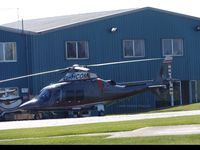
29	104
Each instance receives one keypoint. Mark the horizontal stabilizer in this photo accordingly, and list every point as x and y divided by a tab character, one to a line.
157	86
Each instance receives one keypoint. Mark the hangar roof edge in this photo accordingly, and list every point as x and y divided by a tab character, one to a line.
43	25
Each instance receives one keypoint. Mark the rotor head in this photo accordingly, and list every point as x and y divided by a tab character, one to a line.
77	67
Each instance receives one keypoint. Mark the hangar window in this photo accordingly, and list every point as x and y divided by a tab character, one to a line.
8	52
77	50
133	48
172	47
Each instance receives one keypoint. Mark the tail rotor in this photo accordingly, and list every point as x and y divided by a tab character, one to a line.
166	76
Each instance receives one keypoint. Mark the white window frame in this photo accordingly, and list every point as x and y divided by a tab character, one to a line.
4	55
133	42
77	57
172	47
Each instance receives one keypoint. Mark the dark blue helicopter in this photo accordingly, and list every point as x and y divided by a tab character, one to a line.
81	88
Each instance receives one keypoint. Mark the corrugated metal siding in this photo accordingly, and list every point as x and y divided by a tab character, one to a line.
14	69
138	103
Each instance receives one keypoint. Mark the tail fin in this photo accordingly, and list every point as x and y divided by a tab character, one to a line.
165	76
166	70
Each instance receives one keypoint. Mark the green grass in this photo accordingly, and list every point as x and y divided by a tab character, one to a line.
100	128
195	106
44	133
101	140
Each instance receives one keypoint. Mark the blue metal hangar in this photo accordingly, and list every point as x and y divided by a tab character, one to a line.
38	45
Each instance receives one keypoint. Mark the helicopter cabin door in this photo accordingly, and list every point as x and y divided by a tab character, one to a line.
93	91
73	94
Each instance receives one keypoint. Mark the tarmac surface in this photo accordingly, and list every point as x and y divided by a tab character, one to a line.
88	120
152	131
159	131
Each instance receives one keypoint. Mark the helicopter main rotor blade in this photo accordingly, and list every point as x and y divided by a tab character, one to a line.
123	62
81	68
32	75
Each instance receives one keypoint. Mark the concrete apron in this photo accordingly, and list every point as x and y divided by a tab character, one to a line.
153	131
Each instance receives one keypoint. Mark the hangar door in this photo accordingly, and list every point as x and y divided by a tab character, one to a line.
185	91
164	99
194	91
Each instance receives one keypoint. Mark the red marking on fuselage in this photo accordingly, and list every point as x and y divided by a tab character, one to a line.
100	84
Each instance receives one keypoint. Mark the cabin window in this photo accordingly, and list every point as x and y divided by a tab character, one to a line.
68	95
133	48
172	47
79	95
8	52
45	95
57	95
77	50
